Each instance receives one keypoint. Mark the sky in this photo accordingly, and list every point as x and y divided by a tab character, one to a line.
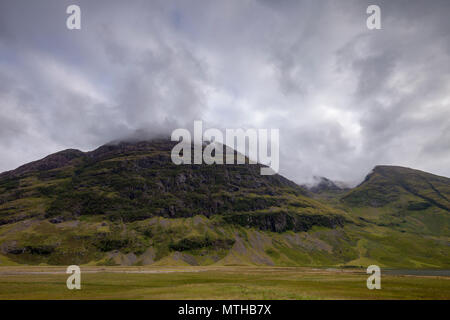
345	98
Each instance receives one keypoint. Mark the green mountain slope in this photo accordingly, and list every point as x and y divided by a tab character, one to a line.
128	204
405	217
414	189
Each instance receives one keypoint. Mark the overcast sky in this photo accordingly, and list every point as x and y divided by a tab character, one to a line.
345	98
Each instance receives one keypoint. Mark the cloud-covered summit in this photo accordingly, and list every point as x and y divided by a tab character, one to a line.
345	98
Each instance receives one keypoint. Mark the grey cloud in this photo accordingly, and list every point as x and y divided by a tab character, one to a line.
345	98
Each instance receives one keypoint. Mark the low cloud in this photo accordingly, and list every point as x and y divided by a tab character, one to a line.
345	98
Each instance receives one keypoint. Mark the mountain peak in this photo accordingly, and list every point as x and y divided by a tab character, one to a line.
395	184
127	202
323	184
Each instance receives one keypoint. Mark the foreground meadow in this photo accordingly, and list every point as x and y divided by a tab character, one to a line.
214	283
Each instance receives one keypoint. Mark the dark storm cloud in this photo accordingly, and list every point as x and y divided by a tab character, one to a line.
345	98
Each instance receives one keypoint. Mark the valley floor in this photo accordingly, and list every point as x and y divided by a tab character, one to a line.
42	282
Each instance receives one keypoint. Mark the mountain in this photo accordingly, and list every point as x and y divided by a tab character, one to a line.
323	184
126	203
404	210
405	187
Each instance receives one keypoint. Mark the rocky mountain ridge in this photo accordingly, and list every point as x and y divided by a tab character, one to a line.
127	203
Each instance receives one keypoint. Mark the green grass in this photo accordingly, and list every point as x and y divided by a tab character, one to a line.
216	283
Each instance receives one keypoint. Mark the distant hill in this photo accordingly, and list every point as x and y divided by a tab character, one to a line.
407	187
323	184
126	203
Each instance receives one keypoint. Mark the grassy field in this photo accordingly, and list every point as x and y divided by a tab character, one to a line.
214	283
